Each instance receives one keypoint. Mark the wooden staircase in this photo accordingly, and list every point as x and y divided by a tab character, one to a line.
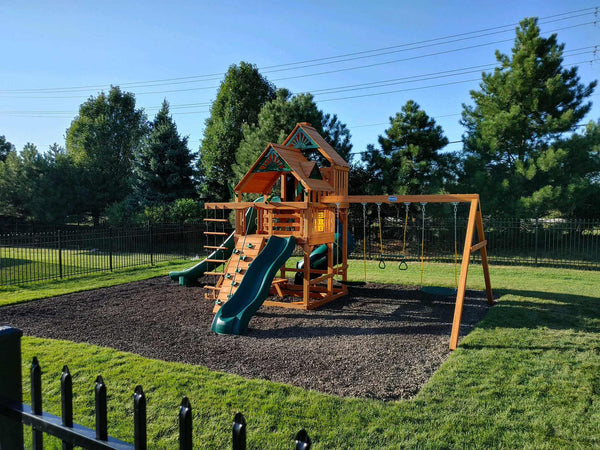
243	254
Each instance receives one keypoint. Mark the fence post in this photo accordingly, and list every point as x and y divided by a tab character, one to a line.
110	248
36	402
185	425
11	384
535	254
302	440
150	243
239	432
60	266
66	400
140	440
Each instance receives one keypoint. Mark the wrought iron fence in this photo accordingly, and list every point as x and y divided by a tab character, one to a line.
568	243
14	414
27	257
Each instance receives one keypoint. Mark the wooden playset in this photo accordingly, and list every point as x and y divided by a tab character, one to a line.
304	187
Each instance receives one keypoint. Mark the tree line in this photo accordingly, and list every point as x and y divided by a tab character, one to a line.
525	150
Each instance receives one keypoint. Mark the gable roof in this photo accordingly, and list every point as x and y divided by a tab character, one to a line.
275	160
305	136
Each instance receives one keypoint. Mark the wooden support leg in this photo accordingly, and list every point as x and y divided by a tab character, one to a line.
484	260
464	270
330	269
306	281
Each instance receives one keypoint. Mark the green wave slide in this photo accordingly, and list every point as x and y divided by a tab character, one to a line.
234	315
189	276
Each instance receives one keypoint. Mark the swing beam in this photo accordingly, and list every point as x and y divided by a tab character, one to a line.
475	224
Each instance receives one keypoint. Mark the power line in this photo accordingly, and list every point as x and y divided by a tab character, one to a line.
328	60
362	86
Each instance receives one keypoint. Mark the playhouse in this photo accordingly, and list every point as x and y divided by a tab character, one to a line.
303	201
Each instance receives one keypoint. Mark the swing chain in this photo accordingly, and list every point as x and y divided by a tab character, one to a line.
381	261
455	204
402	265
364	208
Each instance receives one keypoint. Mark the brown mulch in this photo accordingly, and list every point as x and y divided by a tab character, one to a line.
381	341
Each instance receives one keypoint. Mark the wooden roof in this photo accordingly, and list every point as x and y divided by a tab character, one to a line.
263	174
322	145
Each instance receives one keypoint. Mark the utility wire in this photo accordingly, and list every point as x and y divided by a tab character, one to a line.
331	59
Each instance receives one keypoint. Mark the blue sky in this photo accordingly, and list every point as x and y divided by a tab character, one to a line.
56	54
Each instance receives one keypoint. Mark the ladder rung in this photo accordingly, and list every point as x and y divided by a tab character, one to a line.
217	260
212	288
215	247
216	220
214	273
216	233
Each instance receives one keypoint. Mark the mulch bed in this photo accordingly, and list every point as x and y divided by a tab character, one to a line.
381	341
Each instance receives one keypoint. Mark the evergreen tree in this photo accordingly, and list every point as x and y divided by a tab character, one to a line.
278	118
5	148
569	175
522	107
241	96
163	170
102	140
408	160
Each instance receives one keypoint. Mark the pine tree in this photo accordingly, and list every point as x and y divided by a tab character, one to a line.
522	107
408	160
163	165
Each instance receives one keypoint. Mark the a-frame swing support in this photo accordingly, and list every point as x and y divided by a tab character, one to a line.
475	223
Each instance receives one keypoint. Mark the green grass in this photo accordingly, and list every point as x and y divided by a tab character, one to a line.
32	291
527	376
36	264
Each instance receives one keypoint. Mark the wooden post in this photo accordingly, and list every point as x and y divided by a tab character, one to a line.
344	218
306	280
330	269
464	269
484	260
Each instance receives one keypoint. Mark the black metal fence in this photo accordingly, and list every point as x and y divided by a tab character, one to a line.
27	257
568	243
14	414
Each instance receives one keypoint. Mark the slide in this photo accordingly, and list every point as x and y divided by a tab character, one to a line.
187	277
234	315
318	257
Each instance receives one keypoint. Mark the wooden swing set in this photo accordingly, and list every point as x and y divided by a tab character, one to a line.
313	208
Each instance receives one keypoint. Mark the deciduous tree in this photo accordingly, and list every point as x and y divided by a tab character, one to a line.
102	140
278	118
241	96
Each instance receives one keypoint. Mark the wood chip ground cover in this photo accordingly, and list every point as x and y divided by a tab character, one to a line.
381	341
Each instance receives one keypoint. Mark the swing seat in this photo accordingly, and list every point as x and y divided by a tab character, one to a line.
438	290
402	265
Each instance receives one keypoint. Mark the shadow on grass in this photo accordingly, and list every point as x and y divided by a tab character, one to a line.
12	262
537	309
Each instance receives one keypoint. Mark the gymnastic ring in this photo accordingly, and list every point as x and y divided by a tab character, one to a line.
381	264
402	265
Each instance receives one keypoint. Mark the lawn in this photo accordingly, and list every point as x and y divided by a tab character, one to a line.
527	376
32	291
26	265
